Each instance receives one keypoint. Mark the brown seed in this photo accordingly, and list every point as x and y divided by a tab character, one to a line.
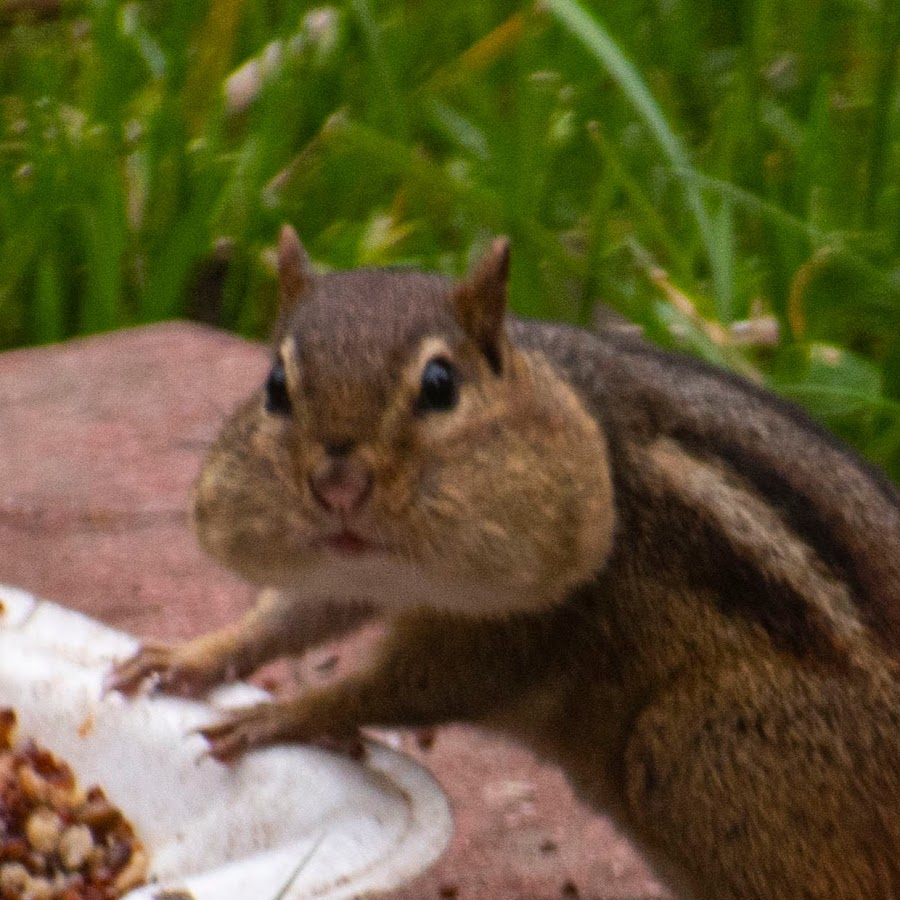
134	873
99	813
43	829
35	787
118	853
7	727
38	889
14	850
75	845
14	878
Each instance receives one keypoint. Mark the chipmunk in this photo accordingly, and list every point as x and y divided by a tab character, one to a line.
660	577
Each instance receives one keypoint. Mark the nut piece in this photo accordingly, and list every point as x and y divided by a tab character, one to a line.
14	878
74	846
43	830
35	787
38	889
134	873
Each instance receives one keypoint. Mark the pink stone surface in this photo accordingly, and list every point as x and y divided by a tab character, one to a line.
100	441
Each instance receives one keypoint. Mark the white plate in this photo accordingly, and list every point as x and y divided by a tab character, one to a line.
281	824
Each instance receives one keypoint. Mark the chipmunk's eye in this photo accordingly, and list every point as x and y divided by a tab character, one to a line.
278	400
440	387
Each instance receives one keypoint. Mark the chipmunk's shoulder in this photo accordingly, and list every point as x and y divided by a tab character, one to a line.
729	451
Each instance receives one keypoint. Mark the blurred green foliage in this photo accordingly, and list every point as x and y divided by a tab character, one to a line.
726	175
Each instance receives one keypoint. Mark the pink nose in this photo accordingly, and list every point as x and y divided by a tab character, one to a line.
341	485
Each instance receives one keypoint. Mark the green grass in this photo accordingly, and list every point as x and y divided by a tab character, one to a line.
695	166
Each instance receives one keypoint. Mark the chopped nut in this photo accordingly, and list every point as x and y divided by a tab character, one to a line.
38	889
96	859
15	849
7	728
134	873
14	878
43	829
118	853
99	813
35	787
87	726
67	798
75	845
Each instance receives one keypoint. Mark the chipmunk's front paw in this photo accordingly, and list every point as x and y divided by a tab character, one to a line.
176	670
251	727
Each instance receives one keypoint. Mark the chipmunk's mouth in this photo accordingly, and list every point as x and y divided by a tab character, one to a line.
346	543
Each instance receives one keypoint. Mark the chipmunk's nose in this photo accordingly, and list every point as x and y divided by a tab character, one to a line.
341	484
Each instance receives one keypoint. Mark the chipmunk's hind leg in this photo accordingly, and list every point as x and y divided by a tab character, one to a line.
772	784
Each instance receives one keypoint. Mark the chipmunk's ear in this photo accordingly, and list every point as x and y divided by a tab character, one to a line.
295	273
480	302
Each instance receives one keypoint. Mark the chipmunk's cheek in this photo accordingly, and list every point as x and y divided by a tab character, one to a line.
531	509
258	537
248	513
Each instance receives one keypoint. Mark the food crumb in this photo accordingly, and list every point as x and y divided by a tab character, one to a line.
75	846
87	726
43	828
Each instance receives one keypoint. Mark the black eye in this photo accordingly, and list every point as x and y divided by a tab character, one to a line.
440	387
277	399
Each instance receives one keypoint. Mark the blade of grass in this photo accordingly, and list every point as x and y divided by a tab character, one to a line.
301	865
887	282
500	42
598	244
49	313
343	135
459	129
17	253
815	160
481	201
885	89
758	205
392	102
619	175
103	230
187	241
589	30
214	44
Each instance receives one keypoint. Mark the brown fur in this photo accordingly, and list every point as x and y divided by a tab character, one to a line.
660	577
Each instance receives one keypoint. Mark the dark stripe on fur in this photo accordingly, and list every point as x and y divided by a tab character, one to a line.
794	508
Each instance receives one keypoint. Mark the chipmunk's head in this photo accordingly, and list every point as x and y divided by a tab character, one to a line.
402	440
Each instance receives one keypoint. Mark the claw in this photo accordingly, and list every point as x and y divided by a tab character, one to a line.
236	732
162	669
248	728
226	751
128	676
